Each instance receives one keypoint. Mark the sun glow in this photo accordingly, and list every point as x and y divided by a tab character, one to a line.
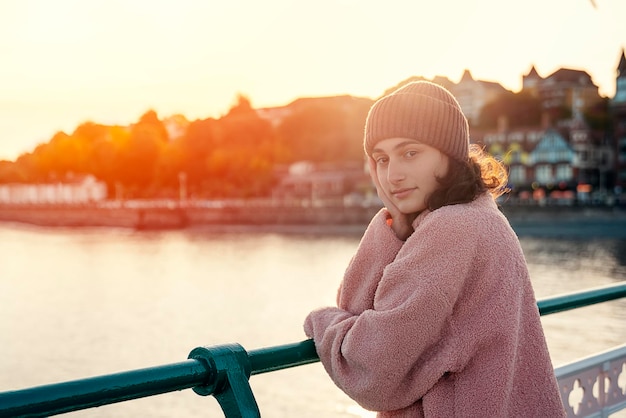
69	61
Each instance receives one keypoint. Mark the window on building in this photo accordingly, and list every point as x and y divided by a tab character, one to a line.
543	174
564	172
564	155
517	174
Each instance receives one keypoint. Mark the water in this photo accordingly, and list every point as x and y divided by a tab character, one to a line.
87	302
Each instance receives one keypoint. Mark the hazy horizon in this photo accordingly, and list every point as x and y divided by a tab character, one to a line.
110	61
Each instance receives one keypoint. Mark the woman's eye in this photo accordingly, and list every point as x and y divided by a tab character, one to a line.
381	160
411	153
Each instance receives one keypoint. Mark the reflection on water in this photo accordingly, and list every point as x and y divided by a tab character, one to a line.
79	303
559	266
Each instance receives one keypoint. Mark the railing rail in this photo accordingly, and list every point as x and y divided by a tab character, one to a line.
222	371
580	299
214	371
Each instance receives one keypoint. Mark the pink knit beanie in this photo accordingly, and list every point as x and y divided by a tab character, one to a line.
423	111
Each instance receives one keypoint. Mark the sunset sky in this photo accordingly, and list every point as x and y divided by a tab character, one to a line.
64	62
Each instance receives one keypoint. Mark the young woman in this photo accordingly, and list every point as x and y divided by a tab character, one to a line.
436	315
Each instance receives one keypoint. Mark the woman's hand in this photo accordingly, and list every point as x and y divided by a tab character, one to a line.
401	223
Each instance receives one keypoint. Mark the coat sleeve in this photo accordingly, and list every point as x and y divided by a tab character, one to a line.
378	247
389	356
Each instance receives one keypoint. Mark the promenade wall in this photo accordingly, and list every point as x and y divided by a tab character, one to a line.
534	220
181	217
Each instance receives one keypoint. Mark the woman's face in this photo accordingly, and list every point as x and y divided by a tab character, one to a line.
407	171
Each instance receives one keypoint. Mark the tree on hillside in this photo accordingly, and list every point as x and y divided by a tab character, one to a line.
68	155
241	163
150	121
194	148
139	156
168	171
105	156
40	164
520	109
598	116
355	116
242	106
11	172
29	167
326	130
85	138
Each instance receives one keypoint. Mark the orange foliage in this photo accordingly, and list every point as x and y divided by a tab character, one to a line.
233	156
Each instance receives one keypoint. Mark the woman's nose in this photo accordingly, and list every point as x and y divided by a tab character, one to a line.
395	172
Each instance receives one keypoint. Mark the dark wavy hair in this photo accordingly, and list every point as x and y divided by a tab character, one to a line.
467	180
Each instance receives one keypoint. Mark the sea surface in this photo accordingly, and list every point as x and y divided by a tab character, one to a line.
76	303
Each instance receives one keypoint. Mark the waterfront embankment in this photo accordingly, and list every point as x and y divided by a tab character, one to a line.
549	221
177	216
568	222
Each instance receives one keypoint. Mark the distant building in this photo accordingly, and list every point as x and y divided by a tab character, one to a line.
564	94
618	113
318	184
535	156
593	156
473	95
568	151
552	160
81	190
513	148
530	82
564	153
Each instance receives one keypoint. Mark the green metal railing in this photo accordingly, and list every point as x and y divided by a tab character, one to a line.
222	371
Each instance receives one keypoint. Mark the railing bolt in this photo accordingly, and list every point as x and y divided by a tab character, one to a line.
229	367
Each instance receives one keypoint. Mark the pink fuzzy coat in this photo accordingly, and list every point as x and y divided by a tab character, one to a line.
442	325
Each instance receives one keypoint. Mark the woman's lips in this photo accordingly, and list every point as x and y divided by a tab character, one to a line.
402	193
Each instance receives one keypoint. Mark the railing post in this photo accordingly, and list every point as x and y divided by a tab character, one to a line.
229	385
